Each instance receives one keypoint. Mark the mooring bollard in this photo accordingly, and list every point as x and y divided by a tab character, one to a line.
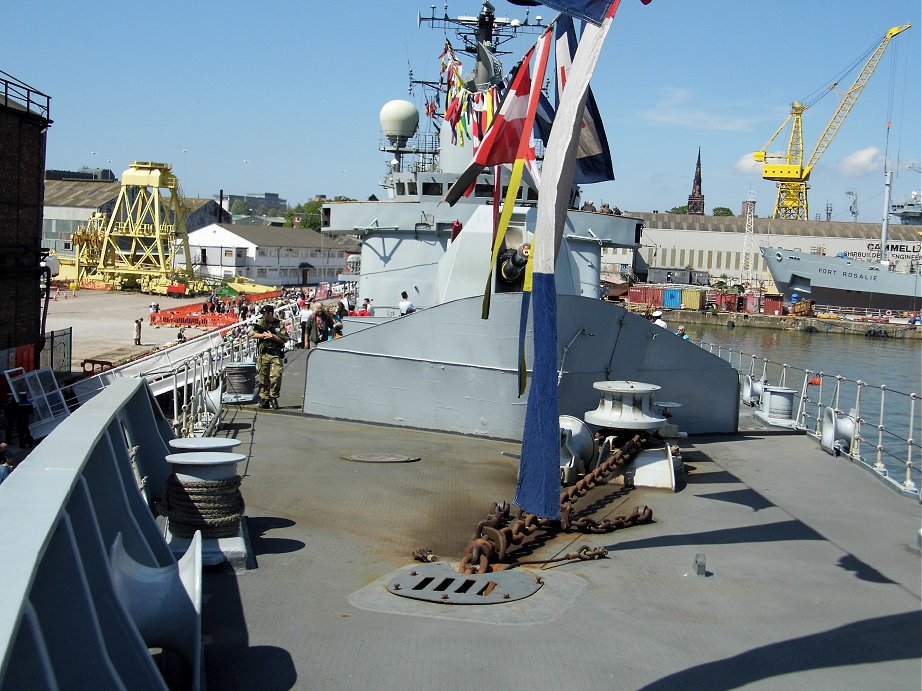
203	493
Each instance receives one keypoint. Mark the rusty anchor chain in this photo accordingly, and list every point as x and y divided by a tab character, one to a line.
497	534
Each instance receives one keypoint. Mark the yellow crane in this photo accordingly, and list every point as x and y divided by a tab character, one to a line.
789	169
140	245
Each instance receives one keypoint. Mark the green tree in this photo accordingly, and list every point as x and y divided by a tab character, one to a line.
679	210
721	211
305	215
239	207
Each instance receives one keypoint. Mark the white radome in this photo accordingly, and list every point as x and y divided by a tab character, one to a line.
399	120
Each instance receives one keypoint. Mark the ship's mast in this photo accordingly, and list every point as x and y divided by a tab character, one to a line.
481	37
885	226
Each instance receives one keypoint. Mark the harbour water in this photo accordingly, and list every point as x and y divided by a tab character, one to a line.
894	362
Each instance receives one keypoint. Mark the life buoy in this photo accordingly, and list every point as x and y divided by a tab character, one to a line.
889	313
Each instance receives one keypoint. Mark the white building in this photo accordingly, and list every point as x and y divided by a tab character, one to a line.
269	255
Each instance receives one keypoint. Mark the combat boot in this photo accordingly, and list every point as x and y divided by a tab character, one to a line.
274	403
265	404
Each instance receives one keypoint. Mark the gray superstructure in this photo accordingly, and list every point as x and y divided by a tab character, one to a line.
910	211
447	368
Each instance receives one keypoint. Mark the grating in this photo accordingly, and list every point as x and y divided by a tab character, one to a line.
440	583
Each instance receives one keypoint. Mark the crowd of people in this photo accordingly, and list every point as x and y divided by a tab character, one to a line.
603	209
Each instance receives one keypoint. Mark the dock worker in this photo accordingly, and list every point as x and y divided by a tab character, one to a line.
268	331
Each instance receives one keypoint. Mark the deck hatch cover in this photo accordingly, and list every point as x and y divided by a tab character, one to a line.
440	583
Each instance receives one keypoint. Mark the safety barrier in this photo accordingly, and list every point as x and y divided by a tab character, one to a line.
194	316
82	559
834	409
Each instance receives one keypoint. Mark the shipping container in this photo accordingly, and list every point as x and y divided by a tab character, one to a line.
656	275
699	278
672	298
655	295
694	298
637	295
752	303
773	304
726	301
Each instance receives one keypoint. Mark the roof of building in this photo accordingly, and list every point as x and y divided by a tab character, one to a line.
196	203
84	194
774	226
251	220
273	236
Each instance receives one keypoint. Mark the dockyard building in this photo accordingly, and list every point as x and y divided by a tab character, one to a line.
69	204
717	244
269	255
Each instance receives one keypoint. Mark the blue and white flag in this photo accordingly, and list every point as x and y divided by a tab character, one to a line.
591	10
538	489
593	157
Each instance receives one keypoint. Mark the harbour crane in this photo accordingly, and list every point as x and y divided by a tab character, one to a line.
790	170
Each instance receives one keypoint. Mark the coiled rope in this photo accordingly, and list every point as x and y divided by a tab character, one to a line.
212	506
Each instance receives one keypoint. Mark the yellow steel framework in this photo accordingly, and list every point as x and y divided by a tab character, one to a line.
88	243
144	236
788	169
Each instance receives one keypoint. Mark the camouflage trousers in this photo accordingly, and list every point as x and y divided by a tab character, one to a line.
269	373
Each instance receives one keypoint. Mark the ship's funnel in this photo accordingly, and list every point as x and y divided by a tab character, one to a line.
399	120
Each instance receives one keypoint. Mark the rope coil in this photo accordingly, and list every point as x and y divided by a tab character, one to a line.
212	506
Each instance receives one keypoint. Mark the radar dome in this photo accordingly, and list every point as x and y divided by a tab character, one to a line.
399	120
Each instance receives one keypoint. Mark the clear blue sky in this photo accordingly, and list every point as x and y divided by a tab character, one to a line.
284	96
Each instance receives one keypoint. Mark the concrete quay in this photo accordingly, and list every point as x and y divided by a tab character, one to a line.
898	329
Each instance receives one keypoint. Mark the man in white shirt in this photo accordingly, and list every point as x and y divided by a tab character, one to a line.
405	306
658	319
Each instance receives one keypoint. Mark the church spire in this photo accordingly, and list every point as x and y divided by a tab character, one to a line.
696	198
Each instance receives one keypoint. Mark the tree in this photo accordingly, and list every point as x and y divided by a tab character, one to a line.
305	215
239	207
721	211
679	210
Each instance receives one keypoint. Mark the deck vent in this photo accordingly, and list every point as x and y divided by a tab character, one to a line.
440	583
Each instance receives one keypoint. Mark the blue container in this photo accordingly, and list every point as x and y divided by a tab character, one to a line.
672	298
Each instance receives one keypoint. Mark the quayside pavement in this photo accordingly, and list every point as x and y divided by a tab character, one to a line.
813	569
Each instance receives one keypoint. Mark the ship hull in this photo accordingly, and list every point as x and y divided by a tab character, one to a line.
842	282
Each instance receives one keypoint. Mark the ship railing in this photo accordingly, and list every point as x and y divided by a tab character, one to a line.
191	375
874	426
91	591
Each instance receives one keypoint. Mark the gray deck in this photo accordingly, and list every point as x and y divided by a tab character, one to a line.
814	570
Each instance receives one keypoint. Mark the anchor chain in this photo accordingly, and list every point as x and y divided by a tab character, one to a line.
497	534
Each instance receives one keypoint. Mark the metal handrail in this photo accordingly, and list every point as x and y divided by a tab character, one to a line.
897	411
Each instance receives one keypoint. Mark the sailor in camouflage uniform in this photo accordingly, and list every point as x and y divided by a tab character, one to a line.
267	330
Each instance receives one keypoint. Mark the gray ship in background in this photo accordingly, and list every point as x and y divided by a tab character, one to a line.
893	283
446	368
